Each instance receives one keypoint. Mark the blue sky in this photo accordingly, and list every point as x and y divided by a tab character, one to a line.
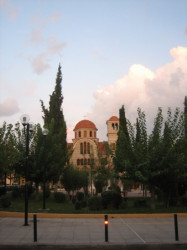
112	52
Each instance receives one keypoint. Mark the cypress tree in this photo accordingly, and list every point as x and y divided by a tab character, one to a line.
56	144
123	152
55	111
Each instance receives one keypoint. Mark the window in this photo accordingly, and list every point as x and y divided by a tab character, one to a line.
84	147
113	126
82	162
81	148
116	126
85	161
79	133
90	133
78	162
88	147
85	133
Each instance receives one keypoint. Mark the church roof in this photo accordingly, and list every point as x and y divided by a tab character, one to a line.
85	124
114	118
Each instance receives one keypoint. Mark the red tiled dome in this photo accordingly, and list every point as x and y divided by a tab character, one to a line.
85	124
114	118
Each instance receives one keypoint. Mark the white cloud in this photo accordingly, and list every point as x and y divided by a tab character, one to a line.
143	88
11	11
54	46
39	63
8	107
50	44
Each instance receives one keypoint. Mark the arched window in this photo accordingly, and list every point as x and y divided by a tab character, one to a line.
90	133
79	133
85	133
84	147
116	126
81	148
88	147
113	127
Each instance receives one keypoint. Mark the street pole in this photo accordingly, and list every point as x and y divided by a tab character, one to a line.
45	132
44	206
29	127
26	175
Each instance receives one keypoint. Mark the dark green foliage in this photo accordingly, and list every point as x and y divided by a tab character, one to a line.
111	199
60	197
123	154
84	203
5	201
74	179
2	191
184	201
78	205
80	196
56	144
18	192
95	203
140	203
124	203
100	181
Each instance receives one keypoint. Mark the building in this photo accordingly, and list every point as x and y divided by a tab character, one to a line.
86	145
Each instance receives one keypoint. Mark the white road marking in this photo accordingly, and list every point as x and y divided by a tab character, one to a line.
133	230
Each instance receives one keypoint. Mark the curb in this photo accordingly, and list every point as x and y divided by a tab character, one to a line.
50	215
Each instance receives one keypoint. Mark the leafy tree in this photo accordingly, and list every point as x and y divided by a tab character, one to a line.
74	179
104	169
8	152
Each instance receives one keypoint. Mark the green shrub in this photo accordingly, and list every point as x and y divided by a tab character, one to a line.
18	192
111	199
184	201
5	201
59	197
173	201
77	205
123	204
95	203
84	203
80	196
2	191
140	203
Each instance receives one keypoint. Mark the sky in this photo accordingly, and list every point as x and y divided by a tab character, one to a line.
112	53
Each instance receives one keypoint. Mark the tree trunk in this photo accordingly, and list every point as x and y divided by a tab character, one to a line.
153	206
37	192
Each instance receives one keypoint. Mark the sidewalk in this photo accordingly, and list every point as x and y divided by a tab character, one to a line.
83	233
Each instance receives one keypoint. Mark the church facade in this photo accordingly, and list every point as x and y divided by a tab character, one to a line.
86	144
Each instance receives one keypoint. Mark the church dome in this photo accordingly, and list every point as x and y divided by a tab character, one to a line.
114	118
85	124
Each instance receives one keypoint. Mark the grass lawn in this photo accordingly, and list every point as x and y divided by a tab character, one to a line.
17	205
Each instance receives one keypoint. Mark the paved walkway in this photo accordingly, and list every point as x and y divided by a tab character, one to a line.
83	232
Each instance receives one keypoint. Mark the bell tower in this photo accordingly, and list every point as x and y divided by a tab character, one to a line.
112	129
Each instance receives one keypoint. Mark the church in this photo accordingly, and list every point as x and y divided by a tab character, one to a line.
86	144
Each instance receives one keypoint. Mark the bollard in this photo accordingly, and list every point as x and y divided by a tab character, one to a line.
35	227
176	227
106	228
